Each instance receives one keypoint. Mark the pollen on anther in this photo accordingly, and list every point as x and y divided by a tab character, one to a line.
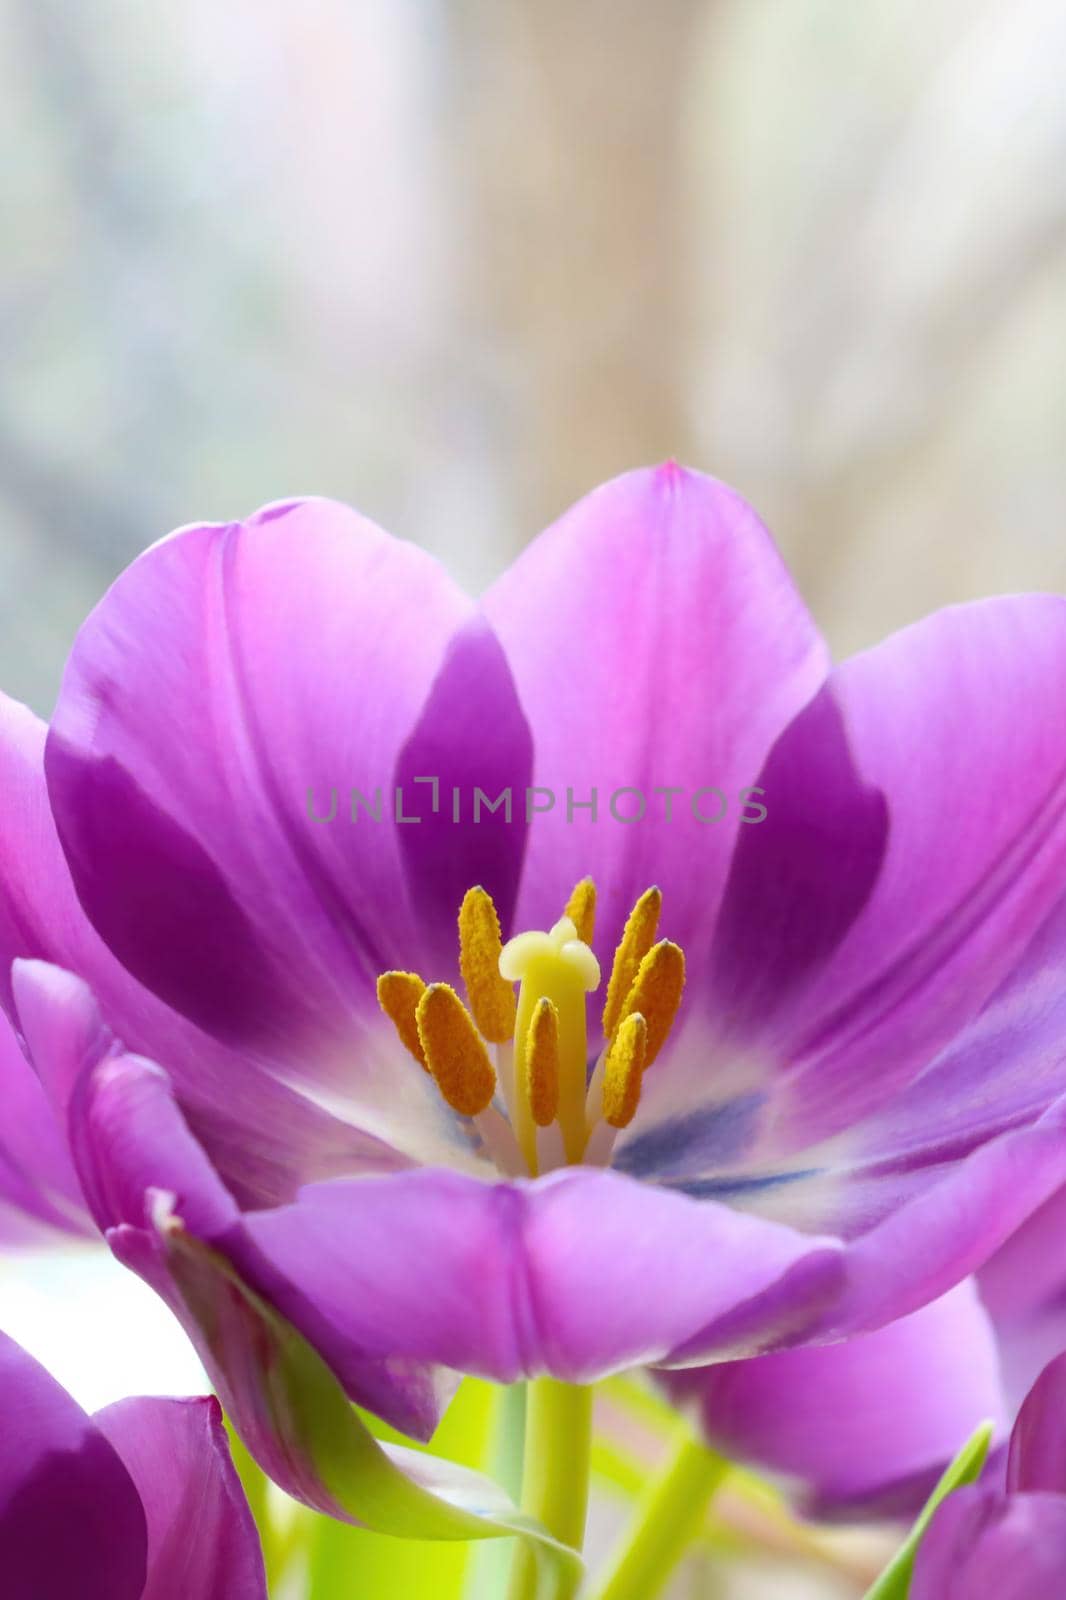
638	937
398	996
491	997
623	1070
542	1063
581	909
656	994
454	1051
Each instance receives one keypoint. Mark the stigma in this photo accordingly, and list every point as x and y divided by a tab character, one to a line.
517	1068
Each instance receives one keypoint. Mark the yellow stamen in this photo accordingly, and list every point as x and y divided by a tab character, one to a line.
542	1063
656	994
581	909
457	1058
491	997
624	1067
398	996
637	939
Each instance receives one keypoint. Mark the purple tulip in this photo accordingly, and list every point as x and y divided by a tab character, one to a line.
857	863
861	1428
986	1544
139	1502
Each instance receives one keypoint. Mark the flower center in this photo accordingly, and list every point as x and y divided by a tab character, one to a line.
539	1106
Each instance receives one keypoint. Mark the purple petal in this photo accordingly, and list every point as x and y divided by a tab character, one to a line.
656	640
955	722
230	673
877	1417
71	1521
578	1274
951	1228
1024	1287
473	741
269	1138
1037	1457
202	1541
37	1179
981	1546
999	1074
132	1146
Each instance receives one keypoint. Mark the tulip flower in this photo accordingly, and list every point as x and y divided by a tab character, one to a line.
698	1075
139	1502
987	1543
864	1428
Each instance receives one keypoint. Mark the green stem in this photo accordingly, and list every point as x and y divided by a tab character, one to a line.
668	1517
555	1477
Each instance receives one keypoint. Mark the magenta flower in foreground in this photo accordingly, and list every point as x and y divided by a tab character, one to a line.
987	1544
139	1502
821	1138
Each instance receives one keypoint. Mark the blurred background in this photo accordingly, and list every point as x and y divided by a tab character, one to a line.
456	261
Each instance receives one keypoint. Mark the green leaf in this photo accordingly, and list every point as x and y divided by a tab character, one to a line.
348	1563
894	1583
388	1488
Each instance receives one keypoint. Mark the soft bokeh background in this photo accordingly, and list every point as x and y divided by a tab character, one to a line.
458	260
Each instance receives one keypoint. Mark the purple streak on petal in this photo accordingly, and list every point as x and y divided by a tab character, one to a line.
579	1274
472	734
656	640
268	1138
202	1540
228	672
997	1075
850	1420
1037	1457
956	720
159	901
801	877
981	1546
71	1521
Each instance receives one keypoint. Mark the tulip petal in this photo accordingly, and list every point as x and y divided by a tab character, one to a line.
1037	1459
876	1419
982	1546
473	741
512	1280
37	1181
875	966
266	1137
951	1228
71	1521
294	1417
657	641
233	680
202	1540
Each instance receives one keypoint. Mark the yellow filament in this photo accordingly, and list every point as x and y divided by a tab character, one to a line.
656	994
623	1068
637	939
581	909
454	1051
398	996
542	1063
491	997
